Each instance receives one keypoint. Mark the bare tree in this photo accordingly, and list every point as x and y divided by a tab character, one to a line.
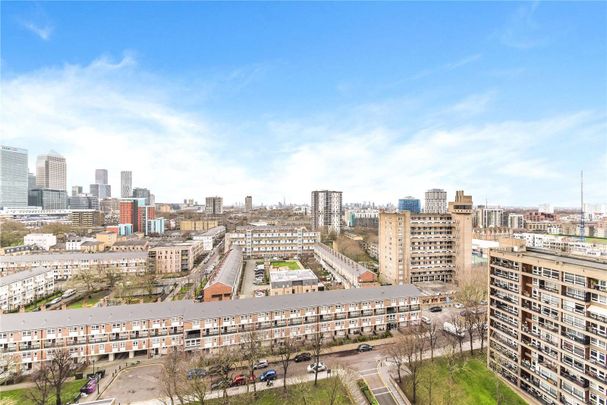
89	277
457	335
251	352
60	367
334	390
432	334
224	361
480	326
10	367
286	351
411	349
172	377
396	353
316	345
41	392
197	388
469	325
112	275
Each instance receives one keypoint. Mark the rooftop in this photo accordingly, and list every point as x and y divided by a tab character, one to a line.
190	310
339	260
292	275
565	258
49	257
22	275
230	269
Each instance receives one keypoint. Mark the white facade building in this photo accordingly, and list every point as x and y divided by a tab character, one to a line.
25	287
436	201
42	240
209	238
327	210
260	241
516	221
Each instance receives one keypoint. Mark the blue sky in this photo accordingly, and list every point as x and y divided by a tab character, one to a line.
381	100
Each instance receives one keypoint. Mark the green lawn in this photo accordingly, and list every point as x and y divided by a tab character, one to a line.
319	395
19	397
596	240
473	383
291	264
86	302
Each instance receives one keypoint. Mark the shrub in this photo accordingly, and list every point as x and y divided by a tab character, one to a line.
367	392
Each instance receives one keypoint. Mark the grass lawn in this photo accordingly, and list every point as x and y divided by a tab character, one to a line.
473	383
291	264
319	395
86	302
19	397
46	300
596	240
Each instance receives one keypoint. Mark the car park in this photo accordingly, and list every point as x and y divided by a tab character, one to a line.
268	375
312	368
260	364
305	356
196	373
364	347
435	309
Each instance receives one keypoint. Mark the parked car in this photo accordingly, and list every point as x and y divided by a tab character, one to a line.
219	384
55	301
312	368
260	364
458	305
259	294
436	309
240	379
196	373
363	347
268	375
305	356
218	369
89	387
426	320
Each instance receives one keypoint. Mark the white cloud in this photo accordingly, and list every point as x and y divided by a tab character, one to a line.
43	32
112	114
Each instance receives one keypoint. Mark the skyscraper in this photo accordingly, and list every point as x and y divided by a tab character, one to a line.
248	203
126	184
436	201
101	191
214	205
410	204
51	171
487	217
101	176
13	177
139	192
326	210
76	191
31	181
48	199
420	247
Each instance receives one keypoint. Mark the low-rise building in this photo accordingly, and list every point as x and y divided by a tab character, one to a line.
75	242
102	333
198	225
107	238
130	245
293	282
267	241
42	240
25	287
344	269
65	265
175	257
211	237
224	282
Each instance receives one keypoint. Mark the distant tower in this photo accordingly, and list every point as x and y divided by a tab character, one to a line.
582	224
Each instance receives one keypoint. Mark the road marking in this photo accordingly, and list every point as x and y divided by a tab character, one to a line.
382	393
369	369
379	391
368	374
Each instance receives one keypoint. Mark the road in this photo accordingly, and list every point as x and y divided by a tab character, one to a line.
248	288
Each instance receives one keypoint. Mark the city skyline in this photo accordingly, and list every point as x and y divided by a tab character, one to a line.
504	117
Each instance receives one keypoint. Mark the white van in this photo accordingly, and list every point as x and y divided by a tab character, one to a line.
426	320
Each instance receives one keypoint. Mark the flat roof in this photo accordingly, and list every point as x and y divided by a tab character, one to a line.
564	258
191	310
292	275
49	257
22	275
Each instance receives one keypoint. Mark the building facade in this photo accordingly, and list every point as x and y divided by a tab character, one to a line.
48	199
362	217
42	240
487	217
224	281
25	287
248	203
87	218
214	206
51	171
266	241
139	192
410	204
345	270
174	258
424	247
101	191
435	201
516	221
126	184
101	176
13	177
83	202
548	325
326	210
148	330
76	191
211	237
301	281
187	225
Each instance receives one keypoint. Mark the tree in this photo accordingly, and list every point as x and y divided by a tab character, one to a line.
10	367
396	353
224	361
112	275
197	388
480	326
458	335
286	351
428	380
12	233
89	277
411	345
41	392
316	345
432	334
59	369
172	377
251	353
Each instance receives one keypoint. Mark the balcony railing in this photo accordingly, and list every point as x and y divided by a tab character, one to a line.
582	382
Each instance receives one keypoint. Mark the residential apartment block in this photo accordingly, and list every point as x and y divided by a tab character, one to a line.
223	283
174	258
326	210
65	265
198	225
435	201
422	247
151	329
262	241
548	325
214	205
562	244
211	237
345	270
25	287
